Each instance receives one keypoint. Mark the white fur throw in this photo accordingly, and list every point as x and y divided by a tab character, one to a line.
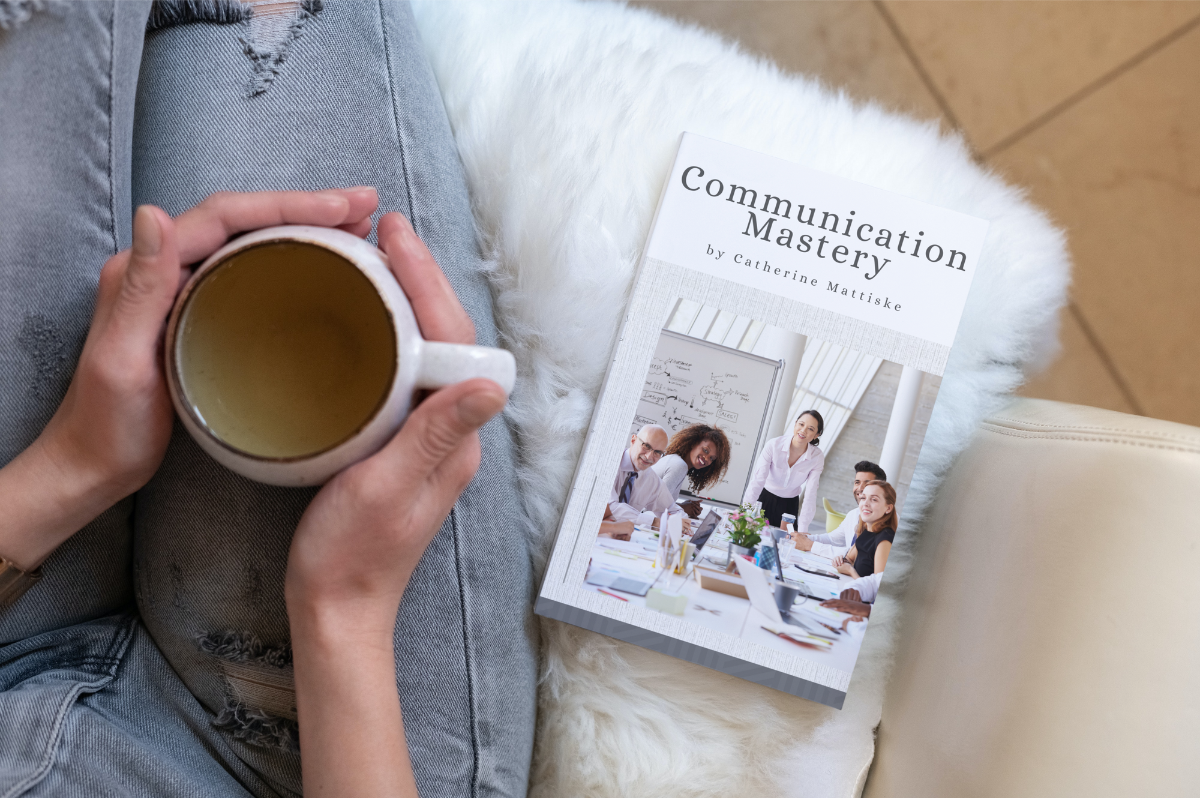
567	117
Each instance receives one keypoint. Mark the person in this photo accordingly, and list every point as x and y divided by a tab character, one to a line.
877	522
637	493
698	454
838	542
788	466
193	631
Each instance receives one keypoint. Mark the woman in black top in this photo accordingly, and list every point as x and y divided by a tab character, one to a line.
877	522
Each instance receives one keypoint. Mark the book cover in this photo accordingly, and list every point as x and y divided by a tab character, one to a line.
745	471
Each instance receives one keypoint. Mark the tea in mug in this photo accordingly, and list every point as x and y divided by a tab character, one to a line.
285	350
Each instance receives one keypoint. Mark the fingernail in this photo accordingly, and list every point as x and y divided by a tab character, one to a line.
477	407
147	233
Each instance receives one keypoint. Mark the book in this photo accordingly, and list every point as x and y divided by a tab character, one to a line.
777	365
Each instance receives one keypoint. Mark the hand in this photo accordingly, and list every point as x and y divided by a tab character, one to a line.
692	508
361	537
852	619
850	594
803	543
617	530
847	569
357	545
852	607
838	560
110	433
687	525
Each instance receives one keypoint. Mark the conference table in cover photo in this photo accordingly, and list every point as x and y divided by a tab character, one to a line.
820	638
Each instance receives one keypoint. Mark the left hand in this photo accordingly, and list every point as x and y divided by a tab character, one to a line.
847	569
692	508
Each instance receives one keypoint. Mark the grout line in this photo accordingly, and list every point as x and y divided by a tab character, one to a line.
1105	359
1090	88
930	86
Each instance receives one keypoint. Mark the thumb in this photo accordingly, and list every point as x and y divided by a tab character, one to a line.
442	422
151	279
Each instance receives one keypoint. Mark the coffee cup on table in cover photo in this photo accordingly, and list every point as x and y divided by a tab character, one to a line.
292	353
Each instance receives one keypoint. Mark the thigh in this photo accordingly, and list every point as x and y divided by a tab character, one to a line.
67	82
94	710
345	98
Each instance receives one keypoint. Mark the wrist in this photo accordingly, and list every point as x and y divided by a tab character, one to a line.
46	499
329	620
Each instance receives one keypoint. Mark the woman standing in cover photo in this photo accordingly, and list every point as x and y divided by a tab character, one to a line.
699	454
787	466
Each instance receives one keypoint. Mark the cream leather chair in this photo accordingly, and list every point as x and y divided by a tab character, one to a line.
1051	644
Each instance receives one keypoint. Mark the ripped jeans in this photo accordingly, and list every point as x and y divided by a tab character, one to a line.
153	657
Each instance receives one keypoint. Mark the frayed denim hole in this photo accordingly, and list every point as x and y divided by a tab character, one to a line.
167	13
260	692
258	728
43	341
271	37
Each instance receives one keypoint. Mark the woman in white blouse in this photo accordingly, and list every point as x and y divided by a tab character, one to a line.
698	453
787	466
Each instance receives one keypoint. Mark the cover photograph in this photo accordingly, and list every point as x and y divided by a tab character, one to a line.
745	472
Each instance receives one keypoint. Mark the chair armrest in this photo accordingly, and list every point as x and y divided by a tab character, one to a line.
1051	626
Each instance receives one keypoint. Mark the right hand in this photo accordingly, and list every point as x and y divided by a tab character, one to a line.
693	508
803	542
111	431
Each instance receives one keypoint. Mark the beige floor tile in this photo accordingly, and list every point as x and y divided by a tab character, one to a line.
1121	171
1078	374
1000	65
846	44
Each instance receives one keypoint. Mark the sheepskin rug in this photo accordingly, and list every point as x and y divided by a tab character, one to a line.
567	117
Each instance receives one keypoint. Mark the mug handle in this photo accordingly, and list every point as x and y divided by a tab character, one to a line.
444	364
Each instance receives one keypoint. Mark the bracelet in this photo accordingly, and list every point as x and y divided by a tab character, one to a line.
14	582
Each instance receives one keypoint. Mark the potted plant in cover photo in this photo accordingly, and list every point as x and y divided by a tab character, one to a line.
746	523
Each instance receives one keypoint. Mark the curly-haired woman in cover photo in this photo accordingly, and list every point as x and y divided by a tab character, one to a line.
698	454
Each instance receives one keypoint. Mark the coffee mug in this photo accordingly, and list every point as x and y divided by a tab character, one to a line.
292	353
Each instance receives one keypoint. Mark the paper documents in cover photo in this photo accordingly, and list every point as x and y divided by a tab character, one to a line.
745	474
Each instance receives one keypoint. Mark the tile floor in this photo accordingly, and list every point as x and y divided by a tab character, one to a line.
1092	106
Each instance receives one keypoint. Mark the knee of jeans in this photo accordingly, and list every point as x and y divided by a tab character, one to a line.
271	27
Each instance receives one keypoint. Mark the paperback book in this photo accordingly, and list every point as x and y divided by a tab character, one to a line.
744	477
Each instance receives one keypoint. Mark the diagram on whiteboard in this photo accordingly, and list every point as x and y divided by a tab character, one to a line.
692	381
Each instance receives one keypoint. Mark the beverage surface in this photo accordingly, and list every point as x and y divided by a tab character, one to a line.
286	350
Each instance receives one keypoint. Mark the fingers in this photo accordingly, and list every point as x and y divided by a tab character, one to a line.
210	224
439	313
440	427
138	303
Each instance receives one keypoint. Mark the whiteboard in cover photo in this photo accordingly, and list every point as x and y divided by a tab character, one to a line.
693	381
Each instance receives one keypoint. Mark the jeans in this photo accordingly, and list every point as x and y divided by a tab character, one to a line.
153	658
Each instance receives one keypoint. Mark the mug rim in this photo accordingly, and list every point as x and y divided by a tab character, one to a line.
213	264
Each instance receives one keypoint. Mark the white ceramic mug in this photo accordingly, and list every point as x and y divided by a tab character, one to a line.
419	364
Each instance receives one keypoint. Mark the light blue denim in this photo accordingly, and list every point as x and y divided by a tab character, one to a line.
111	678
